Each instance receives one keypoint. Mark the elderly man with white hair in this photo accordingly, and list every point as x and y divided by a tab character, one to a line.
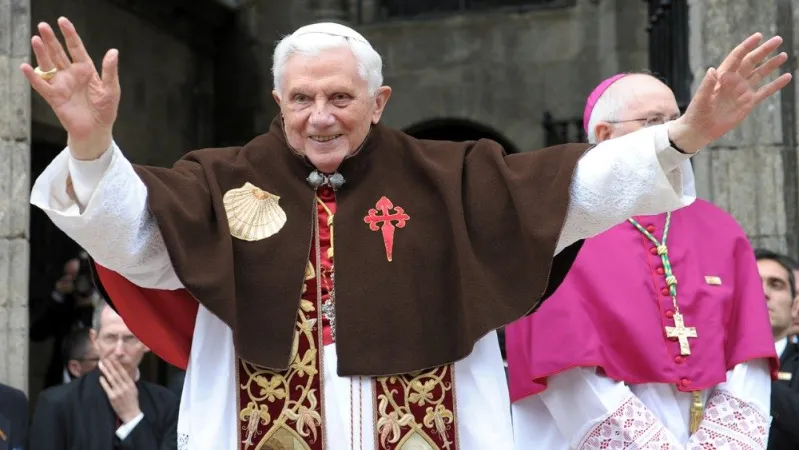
335	283
663	335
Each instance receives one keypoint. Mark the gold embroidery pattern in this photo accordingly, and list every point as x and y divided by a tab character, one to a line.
416	411
284	409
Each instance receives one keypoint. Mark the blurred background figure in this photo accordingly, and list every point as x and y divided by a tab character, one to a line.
68	308
79	354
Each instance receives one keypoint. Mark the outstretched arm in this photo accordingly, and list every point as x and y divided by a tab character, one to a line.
102	205
636	174
90	191
611	182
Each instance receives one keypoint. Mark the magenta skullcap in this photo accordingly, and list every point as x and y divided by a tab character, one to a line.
595	94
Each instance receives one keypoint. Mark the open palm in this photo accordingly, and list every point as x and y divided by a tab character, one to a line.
728	95
85	103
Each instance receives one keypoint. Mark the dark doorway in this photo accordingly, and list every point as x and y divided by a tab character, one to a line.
668	46
458	130
50	248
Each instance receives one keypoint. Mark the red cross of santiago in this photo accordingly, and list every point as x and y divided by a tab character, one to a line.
374	220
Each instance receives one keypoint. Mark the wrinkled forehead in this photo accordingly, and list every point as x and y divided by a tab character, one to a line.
112	323
331	69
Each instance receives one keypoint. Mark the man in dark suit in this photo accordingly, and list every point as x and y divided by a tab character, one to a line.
13	418
779	285
110	407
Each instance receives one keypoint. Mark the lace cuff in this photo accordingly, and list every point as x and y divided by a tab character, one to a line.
631	426
730	422
183	441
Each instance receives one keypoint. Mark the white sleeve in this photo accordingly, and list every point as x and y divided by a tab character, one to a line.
737	414
635	174
593	411
750	382
106	213
125	429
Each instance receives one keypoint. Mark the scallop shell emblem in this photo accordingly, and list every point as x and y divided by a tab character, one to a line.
252	213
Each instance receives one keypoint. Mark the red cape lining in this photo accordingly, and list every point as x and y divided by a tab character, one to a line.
163	320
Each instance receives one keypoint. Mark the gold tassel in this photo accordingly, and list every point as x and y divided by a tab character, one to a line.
697	411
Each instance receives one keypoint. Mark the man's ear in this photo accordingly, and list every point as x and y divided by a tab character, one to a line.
93	339
381	99
73	367
602	131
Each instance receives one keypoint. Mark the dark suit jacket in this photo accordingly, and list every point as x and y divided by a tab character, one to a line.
13	418
78	416
785	403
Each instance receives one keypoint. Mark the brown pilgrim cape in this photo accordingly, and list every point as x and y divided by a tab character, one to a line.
475	254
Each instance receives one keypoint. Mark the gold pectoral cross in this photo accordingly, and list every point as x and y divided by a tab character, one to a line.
682	333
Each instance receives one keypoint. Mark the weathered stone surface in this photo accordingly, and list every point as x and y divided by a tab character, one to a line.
14	185
744	171
506	69
14	312
14	189
717	27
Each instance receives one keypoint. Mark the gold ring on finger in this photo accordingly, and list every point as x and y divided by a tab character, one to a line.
45	75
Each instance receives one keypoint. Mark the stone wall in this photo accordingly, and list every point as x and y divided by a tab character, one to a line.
14	182
743	173
506	69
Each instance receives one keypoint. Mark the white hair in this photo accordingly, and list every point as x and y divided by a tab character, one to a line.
608	108
310	40
612	103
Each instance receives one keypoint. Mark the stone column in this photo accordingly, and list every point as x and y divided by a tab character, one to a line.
751	172
14	192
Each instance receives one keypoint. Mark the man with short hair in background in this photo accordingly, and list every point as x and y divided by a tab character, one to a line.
779	285
80	354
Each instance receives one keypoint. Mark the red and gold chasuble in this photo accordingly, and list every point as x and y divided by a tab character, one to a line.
284	410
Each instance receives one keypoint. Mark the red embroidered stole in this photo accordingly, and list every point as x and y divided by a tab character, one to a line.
285	409
416	410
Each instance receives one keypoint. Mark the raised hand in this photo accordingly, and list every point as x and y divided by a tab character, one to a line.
84	102
728	95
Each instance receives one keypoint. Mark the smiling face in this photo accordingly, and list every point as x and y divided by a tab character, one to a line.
326	106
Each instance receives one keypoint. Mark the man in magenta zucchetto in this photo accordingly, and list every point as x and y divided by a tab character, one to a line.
659	336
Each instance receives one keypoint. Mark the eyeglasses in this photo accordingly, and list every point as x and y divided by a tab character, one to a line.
111	340
647	121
